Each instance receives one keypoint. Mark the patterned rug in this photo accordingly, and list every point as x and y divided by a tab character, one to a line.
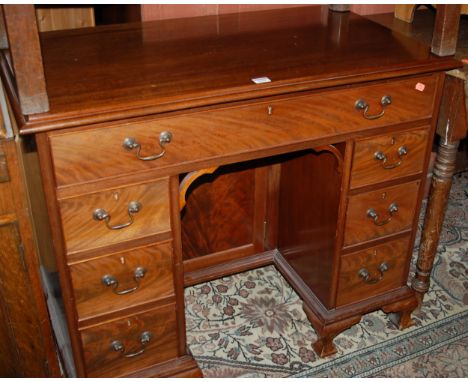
252	324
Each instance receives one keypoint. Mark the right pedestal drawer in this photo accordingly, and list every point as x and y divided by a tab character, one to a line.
379	213
372	272
388	157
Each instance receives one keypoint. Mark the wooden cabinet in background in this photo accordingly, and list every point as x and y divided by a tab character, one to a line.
53	18
27	346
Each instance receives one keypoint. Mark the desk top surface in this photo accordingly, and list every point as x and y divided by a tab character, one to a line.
120	71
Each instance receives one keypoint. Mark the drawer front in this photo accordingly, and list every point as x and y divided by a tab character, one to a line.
151	338
122	280
141	209
382	212
372	272
388	157
97	153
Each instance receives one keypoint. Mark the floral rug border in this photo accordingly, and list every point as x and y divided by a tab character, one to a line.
414	343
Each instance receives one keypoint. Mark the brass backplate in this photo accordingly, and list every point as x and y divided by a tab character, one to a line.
4	176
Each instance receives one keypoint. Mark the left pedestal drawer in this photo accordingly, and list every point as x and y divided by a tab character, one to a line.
125	345
122	280
116	215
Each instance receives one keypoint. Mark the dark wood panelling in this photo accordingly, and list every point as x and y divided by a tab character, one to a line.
219	213
8	355
18	301
28	348
308	213
39	211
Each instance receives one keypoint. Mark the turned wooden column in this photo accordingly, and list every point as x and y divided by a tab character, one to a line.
451	127
435	214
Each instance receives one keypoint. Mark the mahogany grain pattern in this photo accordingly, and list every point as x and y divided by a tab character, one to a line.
352	288
219	212
142	68
225	211
82	232
93	298
308	212
102	361
360	228
97	153
366	170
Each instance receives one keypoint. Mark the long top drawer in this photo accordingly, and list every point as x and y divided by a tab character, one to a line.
251	130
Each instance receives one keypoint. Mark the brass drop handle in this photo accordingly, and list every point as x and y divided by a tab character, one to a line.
365	275
380	156
372	214
361	104
111	281
145	338
101	214
130	144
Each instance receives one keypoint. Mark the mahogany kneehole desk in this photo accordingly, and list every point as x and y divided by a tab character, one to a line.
169	167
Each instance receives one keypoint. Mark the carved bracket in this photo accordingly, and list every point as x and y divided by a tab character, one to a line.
336	153
187	182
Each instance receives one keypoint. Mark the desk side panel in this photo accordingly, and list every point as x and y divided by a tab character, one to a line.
309	200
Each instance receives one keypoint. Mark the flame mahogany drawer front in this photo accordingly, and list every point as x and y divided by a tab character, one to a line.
96	153
114	216
122	280
382	212
388	157
372	272
128	344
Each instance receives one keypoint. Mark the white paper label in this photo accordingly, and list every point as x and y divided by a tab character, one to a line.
261	80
